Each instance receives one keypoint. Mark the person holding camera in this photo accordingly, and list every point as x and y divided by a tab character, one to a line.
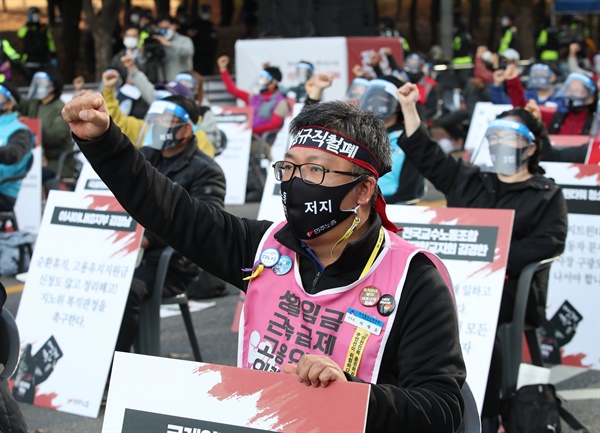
169	51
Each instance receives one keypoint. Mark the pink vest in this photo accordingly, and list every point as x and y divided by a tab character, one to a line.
280	321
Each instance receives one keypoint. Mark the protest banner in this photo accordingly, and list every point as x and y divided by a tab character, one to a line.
28	207
483	114
72	304
360	51
90	183
236	123
225	400
571	335
473	244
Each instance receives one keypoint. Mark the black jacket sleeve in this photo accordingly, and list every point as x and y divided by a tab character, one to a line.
422	367
17	146
215	240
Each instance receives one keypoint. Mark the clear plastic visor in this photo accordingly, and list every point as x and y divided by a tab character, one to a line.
162	125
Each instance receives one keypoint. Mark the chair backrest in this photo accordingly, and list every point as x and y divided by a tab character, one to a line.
510	335
9	345
471	422
219	150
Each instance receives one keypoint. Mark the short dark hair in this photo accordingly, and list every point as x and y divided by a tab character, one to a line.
540	133
350	120
275	72
129	27
165	17
188	105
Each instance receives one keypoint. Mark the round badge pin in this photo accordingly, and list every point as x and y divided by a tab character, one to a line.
269	257
386	305
369	296
283	266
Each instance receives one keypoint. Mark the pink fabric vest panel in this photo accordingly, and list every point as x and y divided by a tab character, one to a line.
280	321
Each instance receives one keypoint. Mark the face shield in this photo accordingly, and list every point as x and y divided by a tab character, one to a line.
303	72
413	67
357	88
380	98
40	87
578	91
188	81
505	147
262	82
5	96
163	126
540	77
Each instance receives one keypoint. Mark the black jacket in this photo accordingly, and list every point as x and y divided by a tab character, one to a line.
540	223
203	179
422	369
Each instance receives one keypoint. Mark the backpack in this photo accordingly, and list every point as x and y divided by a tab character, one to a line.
15	252
537	409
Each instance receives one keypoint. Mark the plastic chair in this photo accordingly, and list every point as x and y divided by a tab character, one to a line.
10	345
148	339
58	181
471	422
510	335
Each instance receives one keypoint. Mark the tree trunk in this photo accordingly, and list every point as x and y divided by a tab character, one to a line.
398	10
71	37
492	45
412	17
434	21
526	27
162	7
102	26
474	15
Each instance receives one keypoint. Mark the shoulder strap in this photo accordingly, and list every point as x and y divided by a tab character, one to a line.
570	419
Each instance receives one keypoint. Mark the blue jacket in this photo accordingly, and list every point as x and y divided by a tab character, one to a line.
9	124
390	182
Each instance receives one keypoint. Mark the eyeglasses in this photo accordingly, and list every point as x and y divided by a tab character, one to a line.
310	173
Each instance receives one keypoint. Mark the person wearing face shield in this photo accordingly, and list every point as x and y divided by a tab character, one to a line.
269	106
504	174
39	49
16	142
414	72
402	183
304	72
43	102
335	250
178	49
540	87
131	125
580	96
169	145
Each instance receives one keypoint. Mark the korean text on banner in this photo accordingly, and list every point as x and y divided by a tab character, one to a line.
73	301
226	399
473	244
571	333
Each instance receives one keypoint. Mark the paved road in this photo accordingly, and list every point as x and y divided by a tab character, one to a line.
218	345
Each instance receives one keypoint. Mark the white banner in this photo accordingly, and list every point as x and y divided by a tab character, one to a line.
473	244
207	398
28	208
90	183
483	114
326	54
571	335
71	308
236	123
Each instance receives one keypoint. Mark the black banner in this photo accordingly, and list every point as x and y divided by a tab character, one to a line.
471	243
97	219
582	199
136	421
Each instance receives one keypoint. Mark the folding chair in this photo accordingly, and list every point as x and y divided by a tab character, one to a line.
511	334
471	422
148	339
10	345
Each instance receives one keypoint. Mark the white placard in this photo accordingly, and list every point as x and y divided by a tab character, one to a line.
73	301
573	305
28	207
326	54
90	183
473	244
483	114
271	207
199	398
236	123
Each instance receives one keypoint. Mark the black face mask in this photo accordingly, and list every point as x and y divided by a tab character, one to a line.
311	209
507	159
576	104
166	135
415	77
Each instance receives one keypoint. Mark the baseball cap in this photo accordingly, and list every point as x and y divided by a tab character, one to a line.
511	54
176	88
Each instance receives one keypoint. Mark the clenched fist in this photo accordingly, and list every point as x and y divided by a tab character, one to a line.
87	115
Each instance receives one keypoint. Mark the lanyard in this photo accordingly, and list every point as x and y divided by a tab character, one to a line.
373	254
